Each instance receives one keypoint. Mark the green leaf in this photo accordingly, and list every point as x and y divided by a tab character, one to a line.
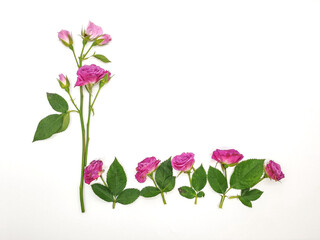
217	180
251	195
116	178
65	122
169	183
245	202
199	178
201	194
187	192
101	58
247	173
57	102
48	126
102	192
148	192
128	196
163	173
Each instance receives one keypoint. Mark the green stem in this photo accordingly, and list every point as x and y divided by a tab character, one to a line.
222	200
114	203
233	197
83	150
75	105
103	181
189	179
88	126
88	50
95	98
196	198
71	47
154	182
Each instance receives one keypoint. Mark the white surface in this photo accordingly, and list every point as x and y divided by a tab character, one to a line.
189	76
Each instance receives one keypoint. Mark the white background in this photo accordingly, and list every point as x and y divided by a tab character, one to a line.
190	76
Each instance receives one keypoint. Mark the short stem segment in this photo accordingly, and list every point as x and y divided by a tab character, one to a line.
222	200
196	199
114	203
155	184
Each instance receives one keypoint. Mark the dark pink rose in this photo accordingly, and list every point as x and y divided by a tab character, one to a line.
146	167
93	171
273	171
183	162
93	31
106	39
90	74
228	157
65	37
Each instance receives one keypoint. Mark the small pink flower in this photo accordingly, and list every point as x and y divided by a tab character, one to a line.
93	171
228	157
273	171
146	167
65	37
106	39
62	79
90	74
183	162
93	31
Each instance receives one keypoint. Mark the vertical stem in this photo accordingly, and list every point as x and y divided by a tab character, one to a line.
222	200
88	126
163	199
83	150
196	198
114	203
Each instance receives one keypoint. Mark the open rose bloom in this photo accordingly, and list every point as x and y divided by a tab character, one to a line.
273	171
146	167
228	157
183	162
90	74
93	31
93	171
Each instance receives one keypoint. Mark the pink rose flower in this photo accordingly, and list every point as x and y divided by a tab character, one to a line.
146	167
93	171
273	171
228	157
64	82
93	31
90	74
106	39
65	37
183	162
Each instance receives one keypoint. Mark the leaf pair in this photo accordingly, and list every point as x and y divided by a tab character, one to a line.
115	190
245	175
53	123
165	181
198	182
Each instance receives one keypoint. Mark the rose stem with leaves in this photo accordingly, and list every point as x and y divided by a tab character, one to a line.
161	192
224	194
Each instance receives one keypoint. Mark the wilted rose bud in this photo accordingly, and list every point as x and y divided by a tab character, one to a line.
63	81
65	38
93	171
273	170
103	39
93	31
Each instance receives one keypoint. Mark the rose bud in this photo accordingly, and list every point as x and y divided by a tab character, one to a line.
90	74
103	39
183	162
228	157
273	171
64	82
65	38
145	167
93	171
93	31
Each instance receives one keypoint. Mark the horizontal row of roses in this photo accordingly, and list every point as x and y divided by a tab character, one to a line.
184	163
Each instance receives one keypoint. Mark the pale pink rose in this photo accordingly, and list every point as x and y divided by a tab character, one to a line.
146	167
93	31
183	162
93	171
228	157
65	37
273	171
106	39
90	74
